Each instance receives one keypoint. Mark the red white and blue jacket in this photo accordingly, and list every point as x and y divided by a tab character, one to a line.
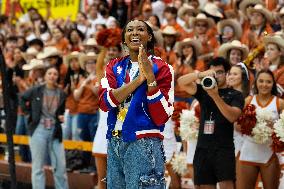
147	112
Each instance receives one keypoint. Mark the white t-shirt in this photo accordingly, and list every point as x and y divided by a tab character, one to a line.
133	73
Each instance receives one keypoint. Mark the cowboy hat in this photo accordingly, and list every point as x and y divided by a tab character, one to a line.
281	12
238	31
48	52
85	57
186	8
262	10
91	42
245	3
74	54
213	10
31	51
34	64
226	47
275	39
170	30
188	41
204	18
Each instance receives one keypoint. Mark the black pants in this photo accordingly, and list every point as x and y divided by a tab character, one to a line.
214	165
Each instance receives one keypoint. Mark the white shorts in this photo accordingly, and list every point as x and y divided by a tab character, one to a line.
238	141
100	141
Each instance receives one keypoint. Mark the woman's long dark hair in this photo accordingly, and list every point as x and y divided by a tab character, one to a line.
193	61
151	44
245	81
274	87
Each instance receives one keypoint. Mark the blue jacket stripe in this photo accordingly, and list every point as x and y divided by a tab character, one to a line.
155	99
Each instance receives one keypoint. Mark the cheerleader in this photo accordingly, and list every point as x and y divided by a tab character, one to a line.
258	158
238	79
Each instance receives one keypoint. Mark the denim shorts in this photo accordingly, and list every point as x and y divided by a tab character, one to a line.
135	165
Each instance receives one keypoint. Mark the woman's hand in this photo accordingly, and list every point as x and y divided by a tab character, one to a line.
145	64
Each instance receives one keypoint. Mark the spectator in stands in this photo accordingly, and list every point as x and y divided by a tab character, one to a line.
234	51
58	39
73	76
76	38
119	11
86	95
203	28
229	30
37	44
52	56
275	59
170	36
45	106
260	18
170	14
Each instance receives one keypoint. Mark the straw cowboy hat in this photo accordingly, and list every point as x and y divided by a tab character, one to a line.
74	54
204	18
275	39
192	42
213	10
245	3
34	64
91	42
238	31
186	8
31	51
224	48
48	52
262	10
281	12
85	57
170	30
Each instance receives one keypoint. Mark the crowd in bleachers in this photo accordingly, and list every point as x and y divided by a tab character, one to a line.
188	33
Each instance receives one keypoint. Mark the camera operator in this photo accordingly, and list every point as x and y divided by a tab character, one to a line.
214	159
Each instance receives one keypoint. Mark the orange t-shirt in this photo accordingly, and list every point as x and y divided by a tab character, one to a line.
71	104
247	41
88	102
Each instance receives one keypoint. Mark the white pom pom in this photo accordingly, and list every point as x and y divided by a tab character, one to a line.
179	163
261	133
263	115
188	125
278	127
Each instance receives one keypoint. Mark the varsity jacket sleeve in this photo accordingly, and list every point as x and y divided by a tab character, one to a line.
160	101
108	83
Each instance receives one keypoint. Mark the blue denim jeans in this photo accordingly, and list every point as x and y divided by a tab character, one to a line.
87	124
40	143
135	165
70	129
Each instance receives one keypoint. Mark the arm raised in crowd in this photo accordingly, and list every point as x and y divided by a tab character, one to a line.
100	64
